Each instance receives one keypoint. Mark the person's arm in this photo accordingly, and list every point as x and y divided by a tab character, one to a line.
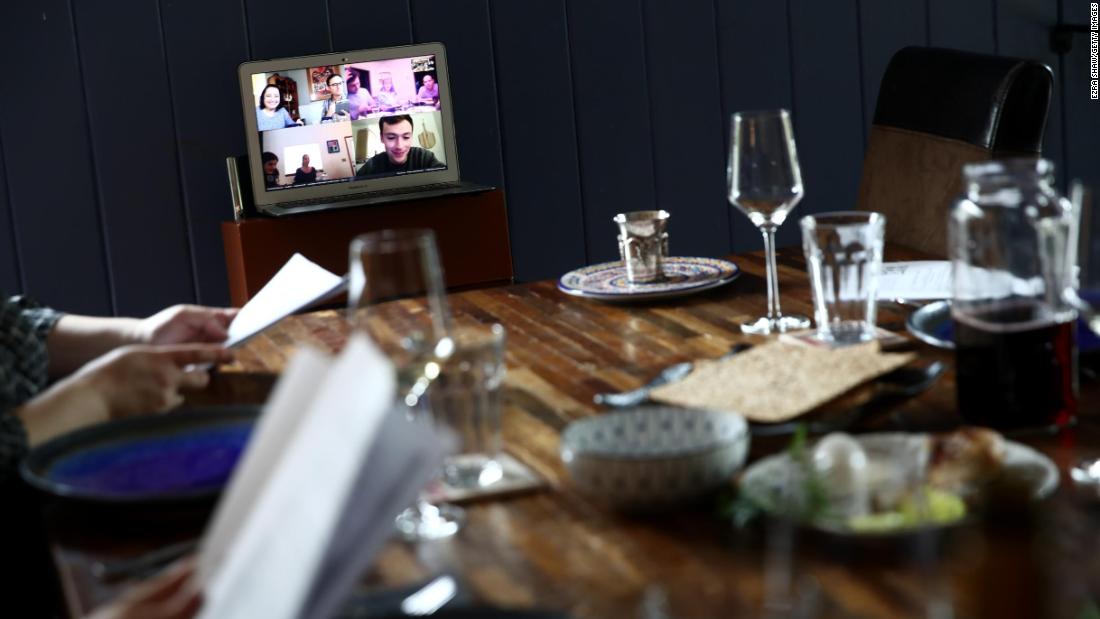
429	160
76	340
131	380
288	120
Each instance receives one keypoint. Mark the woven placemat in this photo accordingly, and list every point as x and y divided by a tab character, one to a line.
776	381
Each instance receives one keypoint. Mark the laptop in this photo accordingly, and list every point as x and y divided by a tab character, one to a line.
349	129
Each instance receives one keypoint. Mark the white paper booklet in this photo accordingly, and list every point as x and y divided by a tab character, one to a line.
299	284
919	280
329	465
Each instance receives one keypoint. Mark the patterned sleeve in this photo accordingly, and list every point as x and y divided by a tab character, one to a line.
24	326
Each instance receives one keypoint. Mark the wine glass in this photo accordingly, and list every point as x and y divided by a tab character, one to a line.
396	295
765	183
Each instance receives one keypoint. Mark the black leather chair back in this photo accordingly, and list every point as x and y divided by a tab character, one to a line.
938	109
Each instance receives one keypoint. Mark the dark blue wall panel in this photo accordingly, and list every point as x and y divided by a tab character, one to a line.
754	56
1023	31
206	136
464	28
50	174
111	196
828	113
362	25
278	28
1082	114
538	138
611	103
134	147
688	149
1082	125
885	28
10	278
961	25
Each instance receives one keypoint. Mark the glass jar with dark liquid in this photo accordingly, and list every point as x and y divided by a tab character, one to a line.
1015	340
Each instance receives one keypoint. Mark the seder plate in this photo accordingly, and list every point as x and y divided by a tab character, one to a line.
1030	472
683	275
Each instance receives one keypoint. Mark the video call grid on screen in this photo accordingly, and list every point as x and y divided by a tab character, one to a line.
331	115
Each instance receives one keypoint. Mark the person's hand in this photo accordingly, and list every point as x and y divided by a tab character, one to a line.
130	380
183	324
172	594
145	379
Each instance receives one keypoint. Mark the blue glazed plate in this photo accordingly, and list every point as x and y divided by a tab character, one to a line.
932	324
683	275
180	457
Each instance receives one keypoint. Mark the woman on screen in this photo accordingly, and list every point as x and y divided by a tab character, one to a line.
306	173
271	113
386	94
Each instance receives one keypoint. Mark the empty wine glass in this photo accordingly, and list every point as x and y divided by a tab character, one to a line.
396	295
765	183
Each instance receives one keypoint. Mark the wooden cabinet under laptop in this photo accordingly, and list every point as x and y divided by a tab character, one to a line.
471	230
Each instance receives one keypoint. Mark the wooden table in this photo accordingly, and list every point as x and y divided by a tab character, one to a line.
556	549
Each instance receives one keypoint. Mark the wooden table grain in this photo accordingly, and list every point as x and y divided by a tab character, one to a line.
560	550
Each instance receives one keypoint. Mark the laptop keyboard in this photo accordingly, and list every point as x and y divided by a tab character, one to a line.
367	195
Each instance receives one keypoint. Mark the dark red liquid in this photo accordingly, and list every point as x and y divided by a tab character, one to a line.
1015	369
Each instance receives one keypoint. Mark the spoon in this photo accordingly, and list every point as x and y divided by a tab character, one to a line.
670	374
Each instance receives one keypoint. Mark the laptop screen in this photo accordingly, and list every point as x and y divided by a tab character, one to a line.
337	124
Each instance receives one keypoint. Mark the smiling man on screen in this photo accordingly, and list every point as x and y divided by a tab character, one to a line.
400	155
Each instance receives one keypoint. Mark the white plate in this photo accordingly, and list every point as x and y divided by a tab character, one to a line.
683	275
763	479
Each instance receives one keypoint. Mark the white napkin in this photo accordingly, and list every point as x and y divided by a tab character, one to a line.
917	280
298	284
329	465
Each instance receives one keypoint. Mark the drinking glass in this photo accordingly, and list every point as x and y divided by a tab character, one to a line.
466	399
765	183
396	295
844	258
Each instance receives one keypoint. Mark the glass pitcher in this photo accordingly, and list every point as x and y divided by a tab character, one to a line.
1012	262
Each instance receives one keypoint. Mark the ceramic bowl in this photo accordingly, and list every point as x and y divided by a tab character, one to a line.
654	456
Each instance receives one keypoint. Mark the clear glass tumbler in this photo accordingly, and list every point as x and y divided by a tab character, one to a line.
466	400
844	258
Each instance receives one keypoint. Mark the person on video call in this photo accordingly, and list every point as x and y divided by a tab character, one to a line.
271	169
271	113
335	108
306	173
400	155
385	94
429	92
360	102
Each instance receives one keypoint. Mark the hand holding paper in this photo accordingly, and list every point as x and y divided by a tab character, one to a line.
299	284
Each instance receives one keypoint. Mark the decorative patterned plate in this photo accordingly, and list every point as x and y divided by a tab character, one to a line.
683	275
